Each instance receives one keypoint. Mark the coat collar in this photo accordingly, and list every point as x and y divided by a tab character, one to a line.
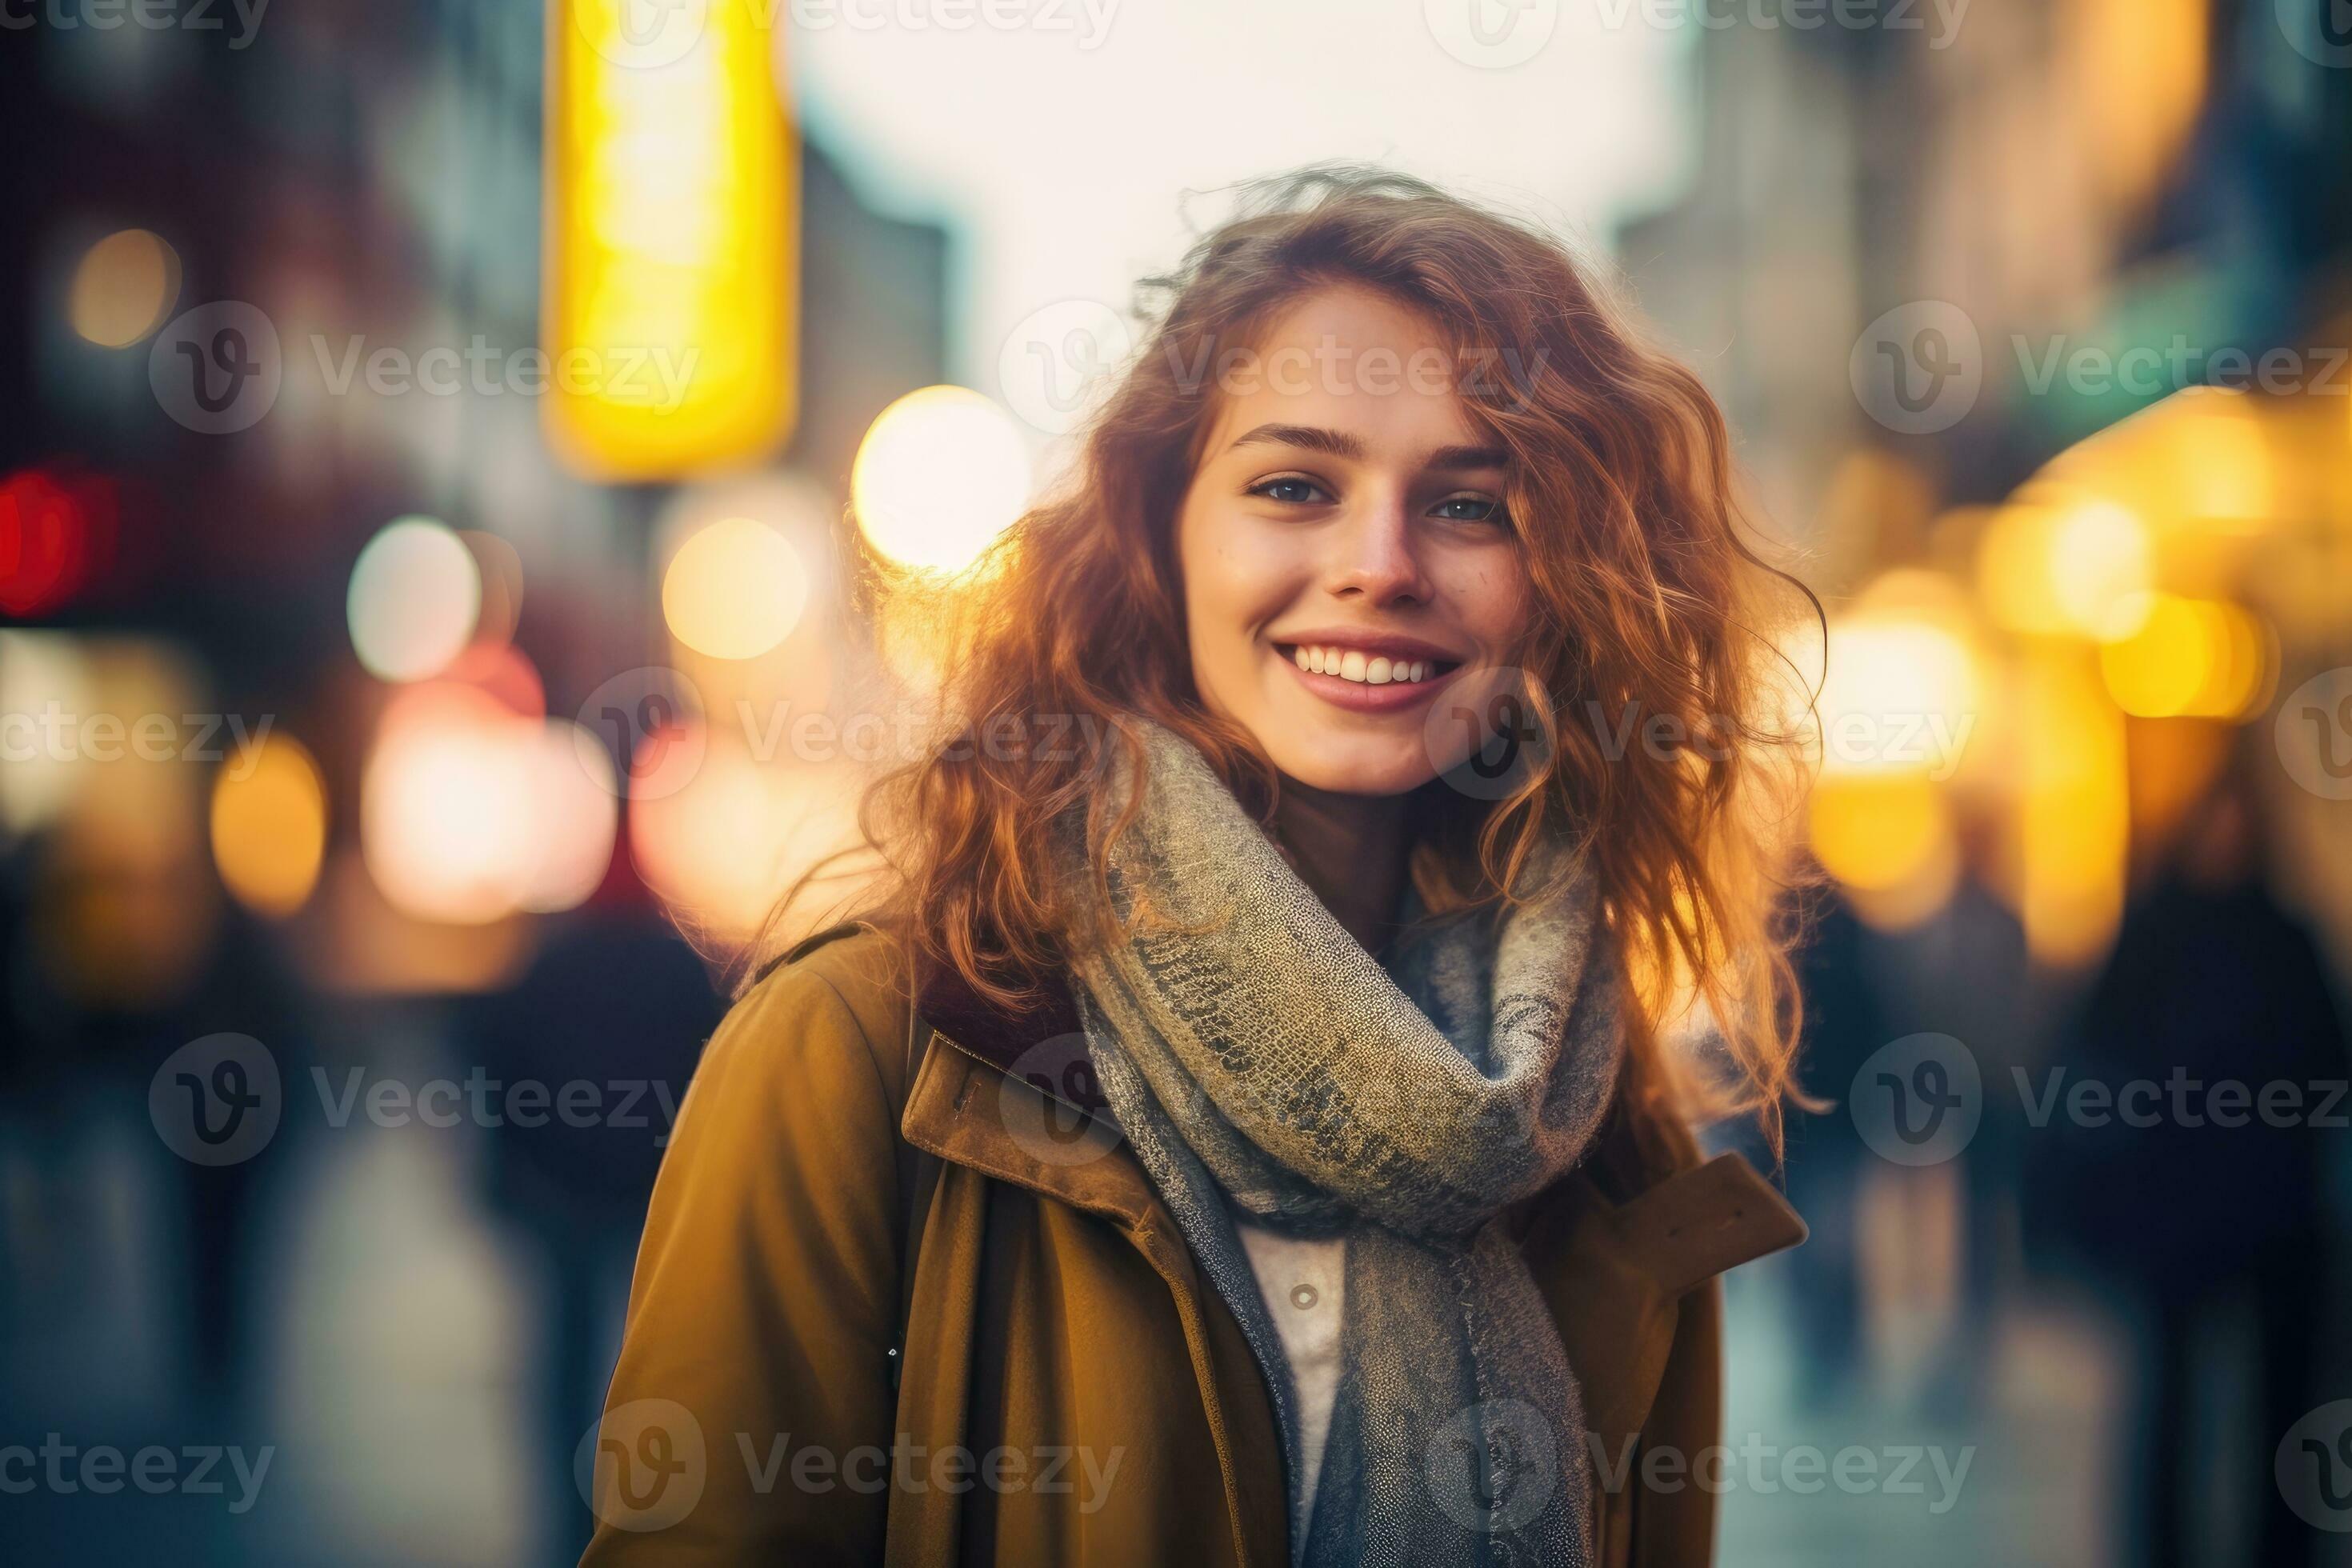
1046	1046
1708	1216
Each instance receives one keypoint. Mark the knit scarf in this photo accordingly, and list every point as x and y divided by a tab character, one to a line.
1275	1069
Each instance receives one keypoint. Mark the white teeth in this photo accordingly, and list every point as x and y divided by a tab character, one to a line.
1350	664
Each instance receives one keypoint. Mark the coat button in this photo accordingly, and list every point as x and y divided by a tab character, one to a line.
1304	1296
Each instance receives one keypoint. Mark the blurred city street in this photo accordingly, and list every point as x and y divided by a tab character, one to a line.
485	486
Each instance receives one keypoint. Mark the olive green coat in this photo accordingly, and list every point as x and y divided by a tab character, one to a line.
1074	1393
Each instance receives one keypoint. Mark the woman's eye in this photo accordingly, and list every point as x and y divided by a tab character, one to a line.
1471	509
1291	491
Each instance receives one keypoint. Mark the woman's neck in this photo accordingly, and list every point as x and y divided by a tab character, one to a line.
1350	849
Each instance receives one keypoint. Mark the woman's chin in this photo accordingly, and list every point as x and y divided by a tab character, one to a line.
1339	763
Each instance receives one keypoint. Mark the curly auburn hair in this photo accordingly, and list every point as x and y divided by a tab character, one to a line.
1648	605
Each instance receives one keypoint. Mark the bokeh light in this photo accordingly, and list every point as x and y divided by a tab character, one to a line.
942	472
2054	564
2190	658
446	809
270	825
57	531
721	851
41	673
1902	694
123	287
735	589
2074	805
415	596
575	818
2101	566
500	565
471	812
670	248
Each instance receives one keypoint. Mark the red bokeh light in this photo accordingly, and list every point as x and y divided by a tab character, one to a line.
56	534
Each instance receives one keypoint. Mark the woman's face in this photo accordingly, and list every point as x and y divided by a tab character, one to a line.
1346	516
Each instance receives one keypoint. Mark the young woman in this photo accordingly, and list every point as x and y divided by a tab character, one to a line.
1243	1128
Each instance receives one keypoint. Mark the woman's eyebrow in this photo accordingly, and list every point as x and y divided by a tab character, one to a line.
1454	459
1312	437
1339	443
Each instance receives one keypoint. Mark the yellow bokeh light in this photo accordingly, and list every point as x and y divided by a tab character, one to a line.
941	474
2193	658
734	590
270	825
122	288
415	597
2054	565
1901	696
2102	564
671	274
1879	833
2074	805
2220	459
2012	570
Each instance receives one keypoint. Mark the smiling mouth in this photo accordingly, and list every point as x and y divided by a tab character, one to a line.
1355	666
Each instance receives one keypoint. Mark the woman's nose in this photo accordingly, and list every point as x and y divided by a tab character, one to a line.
1374	556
